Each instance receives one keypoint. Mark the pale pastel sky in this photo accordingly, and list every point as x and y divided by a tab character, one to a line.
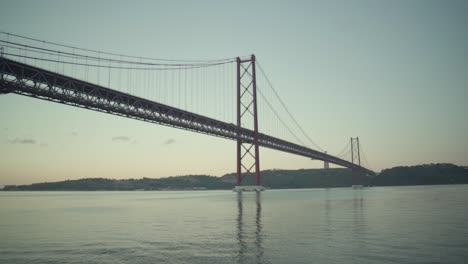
393	73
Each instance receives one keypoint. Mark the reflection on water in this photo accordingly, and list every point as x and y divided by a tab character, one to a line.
258	232
358	220
340	216
244	238
240	232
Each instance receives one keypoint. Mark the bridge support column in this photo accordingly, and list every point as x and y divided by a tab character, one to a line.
355	180
326	165
248	154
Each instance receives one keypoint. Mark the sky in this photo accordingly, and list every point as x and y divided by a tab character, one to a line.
393	73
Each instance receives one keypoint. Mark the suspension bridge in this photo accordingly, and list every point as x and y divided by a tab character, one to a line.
221	98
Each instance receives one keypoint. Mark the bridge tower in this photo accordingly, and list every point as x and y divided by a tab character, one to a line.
355	155
356	159
248	156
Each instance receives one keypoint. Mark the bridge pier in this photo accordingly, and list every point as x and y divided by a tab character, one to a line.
326	164
357	184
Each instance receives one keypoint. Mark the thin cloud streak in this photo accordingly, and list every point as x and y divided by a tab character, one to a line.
121	138
169	142
24	141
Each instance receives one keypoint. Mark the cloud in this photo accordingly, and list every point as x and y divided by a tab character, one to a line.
22	141
169	142
121	138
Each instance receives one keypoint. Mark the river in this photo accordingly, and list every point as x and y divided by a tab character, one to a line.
413	224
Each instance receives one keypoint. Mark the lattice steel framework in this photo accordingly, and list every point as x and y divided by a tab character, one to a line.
248	156
355	155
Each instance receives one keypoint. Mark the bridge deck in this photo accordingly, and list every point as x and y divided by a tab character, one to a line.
24	79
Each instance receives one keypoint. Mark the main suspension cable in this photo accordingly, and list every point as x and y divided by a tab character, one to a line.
108	53
287	110
99	58
117	67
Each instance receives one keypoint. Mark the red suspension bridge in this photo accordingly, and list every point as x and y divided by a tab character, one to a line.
195	95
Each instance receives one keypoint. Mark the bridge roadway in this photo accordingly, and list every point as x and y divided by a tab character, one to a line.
27	80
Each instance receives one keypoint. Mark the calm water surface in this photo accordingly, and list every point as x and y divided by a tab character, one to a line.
424	224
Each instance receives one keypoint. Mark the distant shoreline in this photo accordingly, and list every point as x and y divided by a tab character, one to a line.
229	190
428	174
